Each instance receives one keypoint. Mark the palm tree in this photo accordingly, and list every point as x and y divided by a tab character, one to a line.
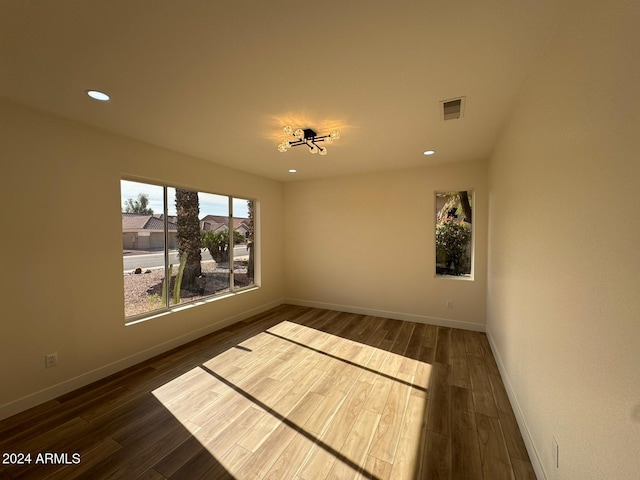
188	235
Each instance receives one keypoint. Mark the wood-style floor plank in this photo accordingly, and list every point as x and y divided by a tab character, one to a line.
292	393
523	470
101	450
489	359
439	420
291	458
375	468
355	446
513	438
331	440
386	436
493	451
407	463
461	399
437	462
483	397
465	451
459	364
443	346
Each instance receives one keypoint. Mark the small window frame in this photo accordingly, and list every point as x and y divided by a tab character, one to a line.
443	266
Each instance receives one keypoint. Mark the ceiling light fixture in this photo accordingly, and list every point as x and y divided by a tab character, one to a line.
292	170
429	152
97	95
307	137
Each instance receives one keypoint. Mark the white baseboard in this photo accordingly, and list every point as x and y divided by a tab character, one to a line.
50	393
409	317
526	435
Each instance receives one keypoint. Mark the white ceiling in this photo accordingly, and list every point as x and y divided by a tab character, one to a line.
219	79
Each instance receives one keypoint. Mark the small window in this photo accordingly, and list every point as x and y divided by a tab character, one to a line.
177	248
454	233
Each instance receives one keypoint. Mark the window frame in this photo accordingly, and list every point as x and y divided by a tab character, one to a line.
232	290
472	242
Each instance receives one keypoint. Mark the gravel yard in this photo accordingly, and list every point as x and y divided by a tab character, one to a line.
142	292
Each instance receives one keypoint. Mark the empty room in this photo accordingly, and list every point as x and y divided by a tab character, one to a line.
375	240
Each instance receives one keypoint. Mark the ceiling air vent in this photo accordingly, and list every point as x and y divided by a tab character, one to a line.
452	109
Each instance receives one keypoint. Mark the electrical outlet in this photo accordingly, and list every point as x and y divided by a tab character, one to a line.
449	303
51	360
556	452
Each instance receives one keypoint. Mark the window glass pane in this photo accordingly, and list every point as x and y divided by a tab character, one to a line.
454	217
142	246
244	243
214	232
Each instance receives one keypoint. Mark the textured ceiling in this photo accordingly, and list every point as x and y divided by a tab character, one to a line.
219	80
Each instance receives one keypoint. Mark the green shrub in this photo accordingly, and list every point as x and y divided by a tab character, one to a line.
218	243
452	239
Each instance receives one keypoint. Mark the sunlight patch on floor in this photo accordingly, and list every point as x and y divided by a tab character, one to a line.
294	400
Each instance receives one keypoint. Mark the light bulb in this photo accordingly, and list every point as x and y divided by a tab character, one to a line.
287	130
286	144
323	151
299	133
97	95
328	140
282	148
313	149
335	135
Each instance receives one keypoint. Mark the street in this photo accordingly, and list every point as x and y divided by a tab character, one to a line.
156	260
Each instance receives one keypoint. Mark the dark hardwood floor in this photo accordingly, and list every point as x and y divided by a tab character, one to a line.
293	393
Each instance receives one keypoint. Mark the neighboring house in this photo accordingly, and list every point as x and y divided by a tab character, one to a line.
219	223
146	232
210	225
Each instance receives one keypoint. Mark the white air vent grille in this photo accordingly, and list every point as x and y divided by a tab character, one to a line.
453	108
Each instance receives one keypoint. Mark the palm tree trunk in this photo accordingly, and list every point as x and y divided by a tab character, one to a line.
188	235
466	205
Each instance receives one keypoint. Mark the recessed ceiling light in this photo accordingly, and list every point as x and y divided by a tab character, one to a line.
292	170
97	95
429	152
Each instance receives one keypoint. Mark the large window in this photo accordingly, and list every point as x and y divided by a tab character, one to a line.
454	233
177	246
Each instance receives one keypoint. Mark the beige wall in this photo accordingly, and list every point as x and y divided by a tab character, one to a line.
66	296
564	268
366	243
